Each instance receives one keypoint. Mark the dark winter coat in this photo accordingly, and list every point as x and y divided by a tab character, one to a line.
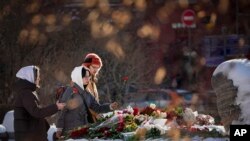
29	118
72	118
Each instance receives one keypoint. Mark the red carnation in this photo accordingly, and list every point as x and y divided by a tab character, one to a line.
84	131
147	111
79	133
171	115
107	133
136	111
125	78
120	127
75	134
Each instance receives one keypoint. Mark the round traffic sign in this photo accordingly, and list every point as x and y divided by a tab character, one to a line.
188	17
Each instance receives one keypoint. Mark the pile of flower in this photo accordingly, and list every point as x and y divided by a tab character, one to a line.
150	122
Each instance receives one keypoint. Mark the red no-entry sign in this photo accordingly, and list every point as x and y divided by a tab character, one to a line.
188	17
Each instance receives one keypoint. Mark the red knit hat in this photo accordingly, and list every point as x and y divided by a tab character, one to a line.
92	58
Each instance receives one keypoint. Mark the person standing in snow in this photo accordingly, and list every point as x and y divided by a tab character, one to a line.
94	63
29	117
79	101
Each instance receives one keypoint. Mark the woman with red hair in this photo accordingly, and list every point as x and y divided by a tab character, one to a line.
94	63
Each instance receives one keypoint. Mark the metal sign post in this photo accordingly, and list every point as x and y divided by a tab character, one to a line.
188	19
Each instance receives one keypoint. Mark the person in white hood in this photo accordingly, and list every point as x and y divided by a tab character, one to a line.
78	102
29	116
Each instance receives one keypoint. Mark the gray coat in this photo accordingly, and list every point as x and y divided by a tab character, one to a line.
72	118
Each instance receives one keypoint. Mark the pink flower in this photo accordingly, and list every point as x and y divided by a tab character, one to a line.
120	118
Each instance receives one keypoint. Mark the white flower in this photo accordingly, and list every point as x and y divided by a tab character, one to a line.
140	118
152	105
130	109
211	119
189	116
162	129
163	114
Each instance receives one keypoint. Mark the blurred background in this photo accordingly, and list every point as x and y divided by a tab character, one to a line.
153	51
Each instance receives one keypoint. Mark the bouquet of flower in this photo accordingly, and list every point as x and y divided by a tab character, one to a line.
150	122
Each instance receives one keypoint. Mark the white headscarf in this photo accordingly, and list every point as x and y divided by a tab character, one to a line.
76	76
26	73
